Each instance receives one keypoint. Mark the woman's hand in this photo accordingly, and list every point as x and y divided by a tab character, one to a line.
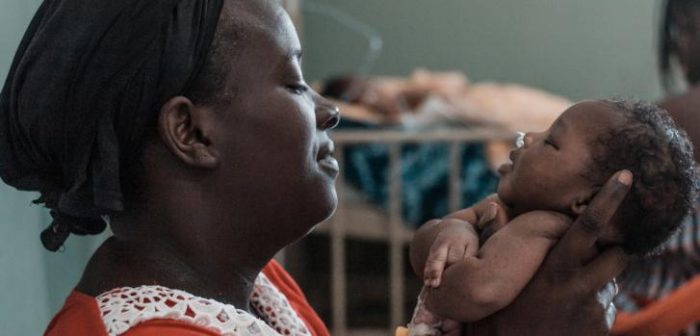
562	297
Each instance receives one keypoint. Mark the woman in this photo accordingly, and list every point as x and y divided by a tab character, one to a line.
188	126
661	291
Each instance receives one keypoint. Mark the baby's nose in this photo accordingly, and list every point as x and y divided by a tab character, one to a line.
528	138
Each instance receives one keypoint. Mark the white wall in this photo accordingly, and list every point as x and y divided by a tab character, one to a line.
580	49
33	281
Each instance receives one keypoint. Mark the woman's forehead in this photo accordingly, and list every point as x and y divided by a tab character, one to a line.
259	24
251	16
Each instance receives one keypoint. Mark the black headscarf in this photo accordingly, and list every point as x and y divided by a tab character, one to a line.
87	78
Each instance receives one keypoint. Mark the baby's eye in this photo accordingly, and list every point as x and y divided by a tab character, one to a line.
299	89
548	142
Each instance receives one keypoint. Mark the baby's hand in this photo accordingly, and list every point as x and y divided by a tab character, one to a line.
451	328
493	218
456	241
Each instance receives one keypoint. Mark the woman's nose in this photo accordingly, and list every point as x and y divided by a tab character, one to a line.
327	113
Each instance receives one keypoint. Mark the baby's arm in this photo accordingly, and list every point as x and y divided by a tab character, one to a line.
474	213
487	216
441	242
478	286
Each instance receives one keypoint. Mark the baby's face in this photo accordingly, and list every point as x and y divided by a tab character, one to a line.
547	172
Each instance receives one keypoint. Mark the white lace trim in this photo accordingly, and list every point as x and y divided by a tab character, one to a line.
125	307
275	309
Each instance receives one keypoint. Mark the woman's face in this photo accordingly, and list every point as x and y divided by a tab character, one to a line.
687	40
277	162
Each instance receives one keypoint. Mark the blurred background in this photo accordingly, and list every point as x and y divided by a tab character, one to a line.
570	49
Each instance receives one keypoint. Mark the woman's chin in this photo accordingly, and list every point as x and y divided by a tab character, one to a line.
321	210
316	220
328	211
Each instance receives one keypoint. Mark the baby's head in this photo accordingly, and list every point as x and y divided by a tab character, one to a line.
562	168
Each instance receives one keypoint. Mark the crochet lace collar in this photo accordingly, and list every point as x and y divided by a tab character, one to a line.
125	307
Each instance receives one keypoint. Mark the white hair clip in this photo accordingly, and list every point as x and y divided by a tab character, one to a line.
520	140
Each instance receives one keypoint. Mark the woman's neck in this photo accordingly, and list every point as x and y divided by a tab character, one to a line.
180	234
207	269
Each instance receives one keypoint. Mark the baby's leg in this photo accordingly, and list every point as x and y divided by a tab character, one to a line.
424	322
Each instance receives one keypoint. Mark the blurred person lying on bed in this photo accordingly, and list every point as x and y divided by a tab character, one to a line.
428	97
479	265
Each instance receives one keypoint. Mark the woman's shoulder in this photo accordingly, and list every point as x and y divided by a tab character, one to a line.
149	310
290	290
157	310
79	315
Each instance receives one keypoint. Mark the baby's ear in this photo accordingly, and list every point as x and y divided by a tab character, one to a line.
580	203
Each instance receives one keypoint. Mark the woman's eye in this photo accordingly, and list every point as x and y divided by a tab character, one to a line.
298	88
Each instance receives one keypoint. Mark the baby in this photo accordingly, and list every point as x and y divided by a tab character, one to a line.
486	263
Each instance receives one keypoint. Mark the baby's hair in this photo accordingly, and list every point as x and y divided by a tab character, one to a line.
660	157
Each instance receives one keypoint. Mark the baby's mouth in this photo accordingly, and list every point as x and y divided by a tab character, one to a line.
505	168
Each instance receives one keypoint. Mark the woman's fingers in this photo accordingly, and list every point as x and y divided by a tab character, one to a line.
580	238
604	267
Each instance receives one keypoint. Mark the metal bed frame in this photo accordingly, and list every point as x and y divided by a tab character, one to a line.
370	223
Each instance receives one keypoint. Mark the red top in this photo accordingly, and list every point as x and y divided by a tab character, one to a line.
80	314
668	316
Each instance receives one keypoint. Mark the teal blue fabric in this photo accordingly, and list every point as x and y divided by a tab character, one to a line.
424	175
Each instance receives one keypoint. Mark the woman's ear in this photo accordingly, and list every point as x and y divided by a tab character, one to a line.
185	130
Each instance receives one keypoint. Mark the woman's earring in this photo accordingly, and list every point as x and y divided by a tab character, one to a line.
520	140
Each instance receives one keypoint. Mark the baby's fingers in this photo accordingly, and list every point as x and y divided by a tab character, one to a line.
496	219
434	265
451	328
471	250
